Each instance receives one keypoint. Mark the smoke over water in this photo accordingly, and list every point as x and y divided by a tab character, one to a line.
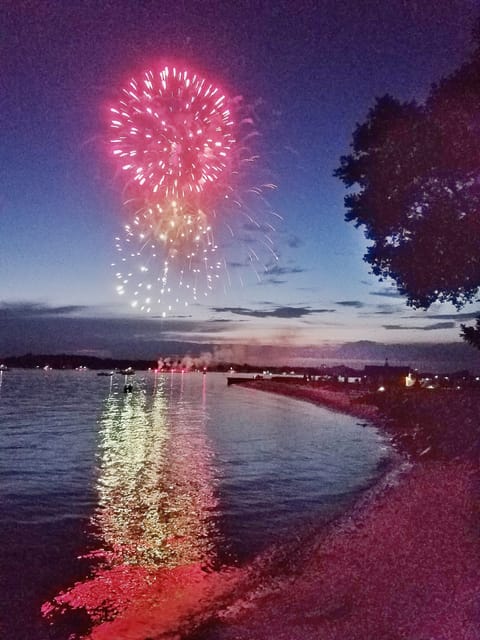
445	357
187	362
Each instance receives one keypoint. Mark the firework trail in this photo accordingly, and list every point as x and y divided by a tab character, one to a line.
174	137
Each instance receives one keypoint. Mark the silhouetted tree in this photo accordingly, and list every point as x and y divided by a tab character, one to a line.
472	334
414	172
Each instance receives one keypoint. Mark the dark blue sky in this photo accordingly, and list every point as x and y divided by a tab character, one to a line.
310	70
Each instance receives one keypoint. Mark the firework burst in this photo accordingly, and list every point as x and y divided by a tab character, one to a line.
185	156
173	133
167	258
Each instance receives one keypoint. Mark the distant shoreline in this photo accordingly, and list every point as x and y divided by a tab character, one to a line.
405	562
189	362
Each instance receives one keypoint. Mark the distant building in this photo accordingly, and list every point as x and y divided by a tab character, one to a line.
350	379
386	375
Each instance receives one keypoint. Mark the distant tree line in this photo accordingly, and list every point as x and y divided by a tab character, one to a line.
414	180
73	361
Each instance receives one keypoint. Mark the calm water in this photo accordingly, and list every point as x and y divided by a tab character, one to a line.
103	488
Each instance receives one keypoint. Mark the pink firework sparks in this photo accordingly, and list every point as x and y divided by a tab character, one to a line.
173	133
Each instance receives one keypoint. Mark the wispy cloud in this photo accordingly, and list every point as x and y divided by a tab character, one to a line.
277	312
256	227
36	309
430	327
273	271
266	281
356	304
61	332
294	242
383	310
282	271
389	292
450	316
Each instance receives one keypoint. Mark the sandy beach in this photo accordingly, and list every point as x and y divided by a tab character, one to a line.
405	563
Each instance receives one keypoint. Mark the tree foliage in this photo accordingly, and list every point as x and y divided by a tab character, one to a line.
414	180
472	334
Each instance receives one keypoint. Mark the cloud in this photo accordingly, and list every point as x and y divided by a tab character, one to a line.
36	309
447	356
387	293
278	312
143	337
41	328
130	337
450	316
253	227
271	281
396	327
384	310
430	327
172	317
282	271
439	325
294	242
350	303
426	356
273	271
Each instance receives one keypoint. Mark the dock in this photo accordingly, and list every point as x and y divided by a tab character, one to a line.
239	380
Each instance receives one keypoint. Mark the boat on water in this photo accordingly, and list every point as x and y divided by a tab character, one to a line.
127	372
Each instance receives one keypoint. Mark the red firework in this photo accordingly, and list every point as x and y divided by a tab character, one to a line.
173	133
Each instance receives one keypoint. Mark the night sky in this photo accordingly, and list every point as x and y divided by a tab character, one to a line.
309	70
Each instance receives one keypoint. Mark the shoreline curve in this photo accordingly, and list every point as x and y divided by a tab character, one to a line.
404	562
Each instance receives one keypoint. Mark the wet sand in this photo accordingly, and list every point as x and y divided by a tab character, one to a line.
405	563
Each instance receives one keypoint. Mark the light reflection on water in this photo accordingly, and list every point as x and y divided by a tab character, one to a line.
156	482
156	496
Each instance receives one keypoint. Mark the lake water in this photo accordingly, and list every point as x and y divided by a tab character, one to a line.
105	494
